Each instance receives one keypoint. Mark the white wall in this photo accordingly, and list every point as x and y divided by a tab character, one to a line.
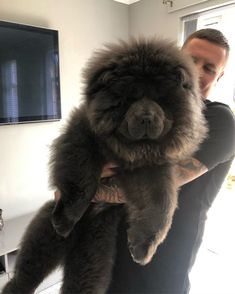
150	17
83	26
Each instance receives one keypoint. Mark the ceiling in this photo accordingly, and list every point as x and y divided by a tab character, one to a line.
128	2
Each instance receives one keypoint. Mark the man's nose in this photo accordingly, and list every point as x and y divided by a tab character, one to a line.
199	68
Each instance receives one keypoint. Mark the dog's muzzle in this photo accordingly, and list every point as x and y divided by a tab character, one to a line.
145	126
145	119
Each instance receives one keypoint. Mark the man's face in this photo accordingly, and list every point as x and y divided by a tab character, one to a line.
210	60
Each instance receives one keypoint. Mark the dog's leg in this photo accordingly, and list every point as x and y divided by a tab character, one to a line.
69	210
40	252
88	265
76	165
151	203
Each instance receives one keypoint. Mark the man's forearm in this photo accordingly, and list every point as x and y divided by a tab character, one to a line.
188	170
112	194
185	172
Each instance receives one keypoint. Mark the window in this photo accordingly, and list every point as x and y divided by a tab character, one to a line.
222	19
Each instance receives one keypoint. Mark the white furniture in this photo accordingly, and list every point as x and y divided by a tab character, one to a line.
9	243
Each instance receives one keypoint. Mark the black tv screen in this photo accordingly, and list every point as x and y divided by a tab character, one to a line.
29	74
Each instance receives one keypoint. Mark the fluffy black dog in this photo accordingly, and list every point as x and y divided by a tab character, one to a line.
143	111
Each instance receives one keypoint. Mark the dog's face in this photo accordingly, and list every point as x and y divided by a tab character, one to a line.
142	100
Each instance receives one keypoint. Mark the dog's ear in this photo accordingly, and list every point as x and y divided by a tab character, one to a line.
183	78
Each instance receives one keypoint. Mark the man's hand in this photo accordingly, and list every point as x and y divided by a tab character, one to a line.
57	195
108	170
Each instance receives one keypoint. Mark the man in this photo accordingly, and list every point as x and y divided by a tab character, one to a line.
200	177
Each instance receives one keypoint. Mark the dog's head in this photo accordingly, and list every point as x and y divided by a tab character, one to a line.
142	99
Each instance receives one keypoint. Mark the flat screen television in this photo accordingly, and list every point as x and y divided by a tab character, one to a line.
29	74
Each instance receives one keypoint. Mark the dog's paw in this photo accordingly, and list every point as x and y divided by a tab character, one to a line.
142	245
142	253
61	223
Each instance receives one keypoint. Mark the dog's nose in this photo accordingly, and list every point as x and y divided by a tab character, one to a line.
144	126
146	120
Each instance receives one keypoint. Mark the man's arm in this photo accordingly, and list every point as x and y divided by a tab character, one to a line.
110	194
186	171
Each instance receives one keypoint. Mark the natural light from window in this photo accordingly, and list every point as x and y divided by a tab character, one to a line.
213	272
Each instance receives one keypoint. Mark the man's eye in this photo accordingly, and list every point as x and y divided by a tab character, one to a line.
194	59
209	69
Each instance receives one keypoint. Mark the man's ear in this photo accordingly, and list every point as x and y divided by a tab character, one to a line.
220	76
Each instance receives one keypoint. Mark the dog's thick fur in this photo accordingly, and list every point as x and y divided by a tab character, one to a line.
142	110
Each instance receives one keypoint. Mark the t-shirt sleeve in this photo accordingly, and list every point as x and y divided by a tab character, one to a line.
219	146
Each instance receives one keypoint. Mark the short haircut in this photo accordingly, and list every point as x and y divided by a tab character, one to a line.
211	35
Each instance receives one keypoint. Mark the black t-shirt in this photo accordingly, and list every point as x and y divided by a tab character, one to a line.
168	271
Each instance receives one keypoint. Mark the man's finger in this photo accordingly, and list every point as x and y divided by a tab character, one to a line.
57	195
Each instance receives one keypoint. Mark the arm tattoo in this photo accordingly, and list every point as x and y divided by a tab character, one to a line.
112	194
189	170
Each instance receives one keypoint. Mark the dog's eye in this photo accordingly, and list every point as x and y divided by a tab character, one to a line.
183	78
187	86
